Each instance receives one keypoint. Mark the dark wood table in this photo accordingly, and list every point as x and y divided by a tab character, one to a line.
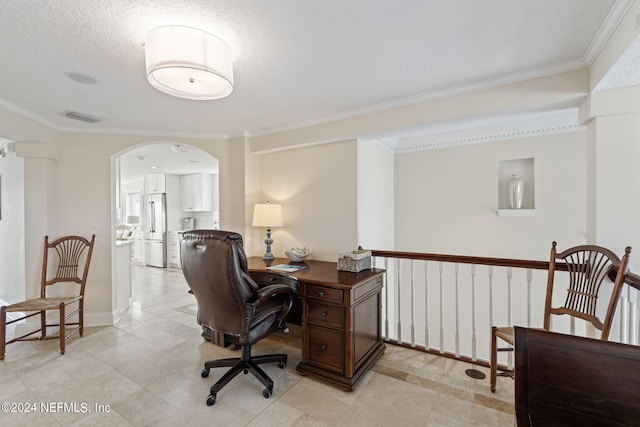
340	317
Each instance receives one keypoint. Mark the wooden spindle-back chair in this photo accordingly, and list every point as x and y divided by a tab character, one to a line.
65	260
588	266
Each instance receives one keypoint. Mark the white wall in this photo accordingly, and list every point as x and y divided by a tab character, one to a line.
618	179
317	187
375	196
446	199
41	213
12	231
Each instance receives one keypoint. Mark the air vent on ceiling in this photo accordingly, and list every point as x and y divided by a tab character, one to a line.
81	116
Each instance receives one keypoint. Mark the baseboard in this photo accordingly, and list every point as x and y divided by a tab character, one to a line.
117	314
99	319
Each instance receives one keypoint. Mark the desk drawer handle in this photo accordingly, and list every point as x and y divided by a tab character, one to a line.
321	293
324	346
324	314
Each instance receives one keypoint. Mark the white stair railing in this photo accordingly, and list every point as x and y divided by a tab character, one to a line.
464	296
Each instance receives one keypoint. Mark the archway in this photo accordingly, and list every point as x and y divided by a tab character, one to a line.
181	182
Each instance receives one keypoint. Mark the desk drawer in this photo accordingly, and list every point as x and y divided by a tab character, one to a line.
323	293
326	348
325	315
264	279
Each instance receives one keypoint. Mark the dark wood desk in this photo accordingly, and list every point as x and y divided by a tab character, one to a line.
341	317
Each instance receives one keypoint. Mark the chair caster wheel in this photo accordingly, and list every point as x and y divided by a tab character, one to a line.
204	374
267	393
211	399
245	372
282	365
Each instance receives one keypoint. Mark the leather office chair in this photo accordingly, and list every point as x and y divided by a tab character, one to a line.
68	263
229	301
588	266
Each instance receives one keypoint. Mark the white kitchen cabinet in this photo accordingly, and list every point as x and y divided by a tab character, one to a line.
196	192
155	183
173	249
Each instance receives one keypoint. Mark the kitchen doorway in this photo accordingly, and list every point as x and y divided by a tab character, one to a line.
162	189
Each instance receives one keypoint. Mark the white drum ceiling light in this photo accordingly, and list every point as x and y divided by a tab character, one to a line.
188	63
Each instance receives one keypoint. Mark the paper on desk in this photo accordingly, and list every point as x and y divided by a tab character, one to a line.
286	267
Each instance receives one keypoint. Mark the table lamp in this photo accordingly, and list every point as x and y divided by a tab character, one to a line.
267	215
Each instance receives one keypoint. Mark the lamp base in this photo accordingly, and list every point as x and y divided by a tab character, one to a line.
268	241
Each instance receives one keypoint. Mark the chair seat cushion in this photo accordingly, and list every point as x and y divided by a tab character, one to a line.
263	321
38	304
505	334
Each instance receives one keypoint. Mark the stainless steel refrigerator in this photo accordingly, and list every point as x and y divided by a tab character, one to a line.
155	230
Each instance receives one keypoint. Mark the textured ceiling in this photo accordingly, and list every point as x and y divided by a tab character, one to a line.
295	61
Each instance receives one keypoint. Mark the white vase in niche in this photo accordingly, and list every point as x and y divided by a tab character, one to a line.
516	192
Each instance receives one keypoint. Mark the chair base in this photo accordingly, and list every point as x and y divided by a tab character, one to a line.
61	336
504	372
245	364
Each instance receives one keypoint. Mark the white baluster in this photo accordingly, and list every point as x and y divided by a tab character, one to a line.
473	312
635	338
441	268
529	280
399	325
490	274
413	325
624	320
386	299
509	313
456	268
426	305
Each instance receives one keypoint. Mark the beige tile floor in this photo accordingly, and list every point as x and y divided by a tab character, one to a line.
145	371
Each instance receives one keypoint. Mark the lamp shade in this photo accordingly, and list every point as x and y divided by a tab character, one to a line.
188	63
267	215
133	219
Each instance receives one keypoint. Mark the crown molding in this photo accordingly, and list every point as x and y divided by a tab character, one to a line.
495	129
607	28
101	130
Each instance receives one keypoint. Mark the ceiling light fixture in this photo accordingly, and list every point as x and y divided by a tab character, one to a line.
188	63
180	149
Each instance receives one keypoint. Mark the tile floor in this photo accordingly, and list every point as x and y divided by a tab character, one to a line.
145	371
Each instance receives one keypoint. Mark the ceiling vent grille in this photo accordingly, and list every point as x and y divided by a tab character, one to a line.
81	116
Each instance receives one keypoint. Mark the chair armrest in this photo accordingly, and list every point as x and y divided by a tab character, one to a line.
270	291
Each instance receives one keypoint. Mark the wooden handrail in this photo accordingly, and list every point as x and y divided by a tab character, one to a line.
462	259
631	278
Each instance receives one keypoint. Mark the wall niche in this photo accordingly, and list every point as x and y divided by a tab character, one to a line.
524	170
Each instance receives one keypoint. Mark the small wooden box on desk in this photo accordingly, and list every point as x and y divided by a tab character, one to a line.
341	318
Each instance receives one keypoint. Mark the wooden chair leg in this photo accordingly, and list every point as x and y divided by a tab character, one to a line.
43	324
62	331
3	331
494	359
81	316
